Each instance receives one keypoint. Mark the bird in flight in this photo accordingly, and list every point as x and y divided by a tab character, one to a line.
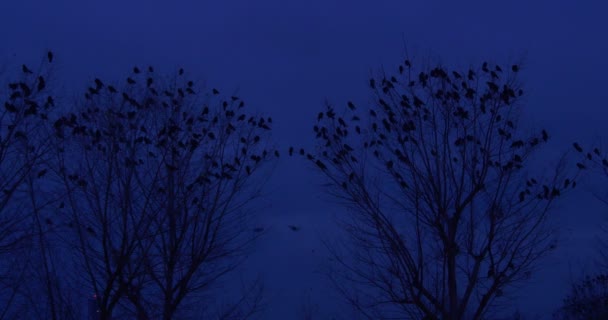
294	228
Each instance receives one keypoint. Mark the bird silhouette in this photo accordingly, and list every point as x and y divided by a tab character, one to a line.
293	228
42	173
41	83
25	69
49	56
351	106
545	135
136	70
215	91
577	147
10	107
98	84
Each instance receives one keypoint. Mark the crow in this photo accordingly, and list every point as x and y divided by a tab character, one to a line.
98	83
41	83
577	147
42	173
25	69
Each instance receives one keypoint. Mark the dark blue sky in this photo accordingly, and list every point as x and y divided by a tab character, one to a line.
285	57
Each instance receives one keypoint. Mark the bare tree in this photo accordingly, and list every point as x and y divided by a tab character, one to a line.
24	223
443	216
159	180
587	299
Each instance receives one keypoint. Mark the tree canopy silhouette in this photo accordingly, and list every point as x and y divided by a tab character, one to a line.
158	178
443	216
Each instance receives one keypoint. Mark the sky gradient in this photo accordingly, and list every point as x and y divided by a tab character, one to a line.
284	58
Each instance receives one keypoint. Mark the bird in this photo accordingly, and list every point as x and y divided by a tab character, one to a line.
98	83
10	107
215	91
484	67
41	83
577	147
135	70
291	151
293	228
545	135
351	105
320	164
42	173
25	69
515	68
130	81
49	56
258	229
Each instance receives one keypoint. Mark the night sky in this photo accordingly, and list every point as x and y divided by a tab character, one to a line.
285	58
